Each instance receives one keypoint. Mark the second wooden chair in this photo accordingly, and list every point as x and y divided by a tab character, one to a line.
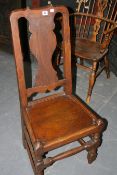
95	22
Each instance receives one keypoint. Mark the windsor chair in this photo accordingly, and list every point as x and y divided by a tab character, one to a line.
95	22
57	119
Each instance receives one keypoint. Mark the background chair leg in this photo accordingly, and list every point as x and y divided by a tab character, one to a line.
91	81
81	61
92	152
106	62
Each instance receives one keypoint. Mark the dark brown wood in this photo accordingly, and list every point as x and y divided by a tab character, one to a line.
54	120
40	29
95	23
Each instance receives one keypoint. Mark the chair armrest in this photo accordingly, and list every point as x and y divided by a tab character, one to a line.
92	16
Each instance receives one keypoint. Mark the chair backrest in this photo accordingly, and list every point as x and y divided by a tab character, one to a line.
91	27
42	44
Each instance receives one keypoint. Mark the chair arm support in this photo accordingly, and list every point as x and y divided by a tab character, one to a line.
108	35
110	30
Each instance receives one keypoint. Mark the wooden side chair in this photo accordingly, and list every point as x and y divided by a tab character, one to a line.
95	22
60	118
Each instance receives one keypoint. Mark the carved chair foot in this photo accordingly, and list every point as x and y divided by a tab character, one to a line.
40	173
92	155
88	99
108	74
107	70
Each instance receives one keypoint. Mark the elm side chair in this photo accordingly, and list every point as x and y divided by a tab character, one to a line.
95	22
58	119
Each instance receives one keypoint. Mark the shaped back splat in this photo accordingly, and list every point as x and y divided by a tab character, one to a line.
42	44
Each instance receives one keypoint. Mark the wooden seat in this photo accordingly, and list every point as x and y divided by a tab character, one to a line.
95	22
68	124
92	50
58	118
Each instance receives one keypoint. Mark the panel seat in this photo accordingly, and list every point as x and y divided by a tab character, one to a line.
57	120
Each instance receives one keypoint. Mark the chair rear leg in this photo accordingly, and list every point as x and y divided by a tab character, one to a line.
106	62
92	152
23	138
23	134
91	81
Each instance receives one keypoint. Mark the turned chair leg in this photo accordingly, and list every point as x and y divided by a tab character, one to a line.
39	163
106	62
92	152
91	81
39	169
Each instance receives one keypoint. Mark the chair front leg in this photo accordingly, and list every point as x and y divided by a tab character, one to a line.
91	81
39	166
106	62
39	163
40	172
